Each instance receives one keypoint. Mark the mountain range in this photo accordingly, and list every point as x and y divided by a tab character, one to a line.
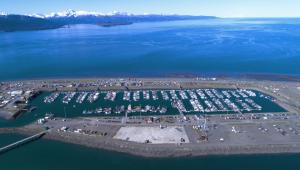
14	22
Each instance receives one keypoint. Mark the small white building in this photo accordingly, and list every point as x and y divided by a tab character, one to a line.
16	93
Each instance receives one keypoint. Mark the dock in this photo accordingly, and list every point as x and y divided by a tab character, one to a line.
22	142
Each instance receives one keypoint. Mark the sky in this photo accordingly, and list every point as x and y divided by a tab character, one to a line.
220	8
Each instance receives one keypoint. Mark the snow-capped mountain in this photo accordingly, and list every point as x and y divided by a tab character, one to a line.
2	13
36	15
70	17
73	13
15	22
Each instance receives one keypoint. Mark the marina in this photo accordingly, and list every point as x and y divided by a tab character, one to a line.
51	98
93	97
171	86
147	120
81	97
68	97
166	102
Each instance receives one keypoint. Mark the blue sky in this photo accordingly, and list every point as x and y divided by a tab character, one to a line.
221	8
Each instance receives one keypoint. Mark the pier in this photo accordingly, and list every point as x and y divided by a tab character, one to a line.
22	142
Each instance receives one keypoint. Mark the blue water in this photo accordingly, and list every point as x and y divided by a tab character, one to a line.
52	155
225	46
222	46
74	109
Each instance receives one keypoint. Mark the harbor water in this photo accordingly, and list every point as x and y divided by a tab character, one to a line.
75	109
52	155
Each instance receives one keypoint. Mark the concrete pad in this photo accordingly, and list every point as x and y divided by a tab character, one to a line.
155	135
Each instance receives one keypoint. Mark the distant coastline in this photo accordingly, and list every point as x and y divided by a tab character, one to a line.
241	76
16	22
113	24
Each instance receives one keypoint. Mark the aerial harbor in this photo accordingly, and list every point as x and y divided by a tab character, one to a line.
214	104
135	84
147	116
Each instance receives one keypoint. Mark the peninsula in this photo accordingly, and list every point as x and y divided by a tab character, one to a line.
159	117
20	22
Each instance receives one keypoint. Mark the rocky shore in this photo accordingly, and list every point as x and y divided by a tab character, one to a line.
160	150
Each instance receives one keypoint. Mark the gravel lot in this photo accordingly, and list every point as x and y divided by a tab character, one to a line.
155	135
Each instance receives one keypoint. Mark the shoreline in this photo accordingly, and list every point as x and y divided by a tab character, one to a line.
169	150
232	76
286	101
249	140
192	152
186	150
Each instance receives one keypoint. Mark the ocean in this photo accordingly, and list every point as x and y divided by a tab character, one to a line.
157	49
51	155
154	49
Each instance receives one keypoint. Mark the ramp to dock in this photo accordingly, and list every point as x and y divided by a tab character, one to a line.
21	142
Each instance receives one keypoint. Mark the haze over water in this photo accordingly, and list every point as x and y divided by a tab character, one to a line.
201	47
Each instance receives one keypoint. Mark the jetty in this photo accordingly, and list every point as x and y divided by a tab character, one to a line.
22	142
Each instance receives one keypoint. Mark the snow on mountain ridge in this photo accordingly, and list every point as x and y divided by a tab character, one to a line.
3	13
73	13
37	15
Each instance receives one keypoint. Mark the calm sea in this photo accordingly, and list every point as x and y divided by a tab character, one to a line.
51	155
201	47
204	47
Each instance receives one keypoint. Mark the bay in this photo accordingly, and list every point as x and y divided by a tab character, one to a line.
158	49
